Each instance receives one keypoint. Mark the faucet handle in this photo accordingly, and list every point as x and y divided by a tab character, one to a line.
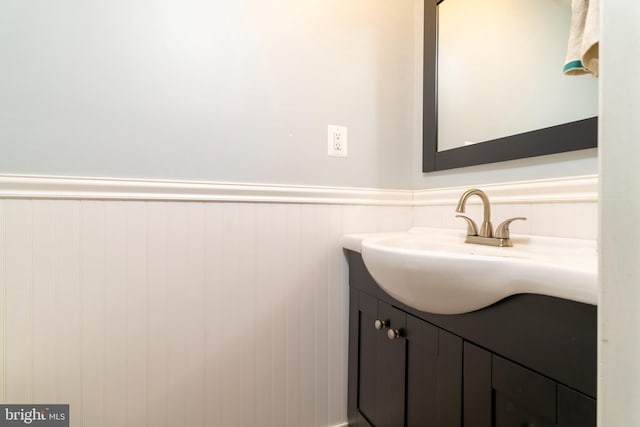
472	228
502	232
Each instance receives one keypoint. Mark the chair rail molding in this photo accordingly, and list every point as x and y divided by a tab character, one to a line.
62	187
555	190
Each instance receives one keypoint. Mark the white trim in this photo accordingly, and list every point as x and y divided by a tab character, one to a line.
51	187
557	190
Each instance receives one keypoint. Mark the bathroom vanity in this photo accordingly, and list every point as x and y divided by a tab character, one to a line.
526	360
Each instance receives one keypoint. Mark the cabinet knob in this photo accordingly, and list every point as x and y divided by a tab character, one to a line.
381	324
392	334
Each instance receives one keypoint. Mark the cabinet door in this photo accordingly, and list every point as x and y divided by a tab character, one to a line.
422	368
434	376
381	364
392	368
522	397
477	409
368	343
499	393
449	379
575	409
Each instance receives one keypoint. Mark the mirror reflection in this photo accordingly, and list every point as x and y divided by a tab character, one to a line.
500	70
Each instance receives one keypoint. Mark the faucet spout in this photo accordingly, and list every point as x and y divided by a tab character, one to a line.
486	229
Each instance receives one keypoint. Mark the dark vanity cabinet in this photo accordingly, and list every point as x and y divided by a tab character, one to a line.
382	361
528	360
498	392
392	343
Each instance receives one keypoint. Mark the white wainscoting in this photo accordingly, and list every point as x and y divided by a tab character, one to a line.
151	313
147	303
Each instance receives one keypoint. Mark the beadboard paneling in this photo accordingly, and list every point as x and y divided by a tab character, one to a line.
18	304
44	296
189	312
69	307
171	313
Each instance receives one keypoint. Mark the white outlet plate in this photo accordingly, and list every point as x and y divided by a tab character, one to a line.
337	141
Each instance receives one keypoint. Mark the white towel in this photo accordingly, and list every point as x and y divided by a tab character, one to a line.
582	50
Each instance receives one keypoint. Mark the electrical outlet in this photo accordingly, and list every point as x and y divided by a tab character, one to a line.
337	141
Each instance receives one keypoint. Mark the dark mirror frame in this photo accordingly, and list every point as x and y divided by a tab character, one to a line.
571	136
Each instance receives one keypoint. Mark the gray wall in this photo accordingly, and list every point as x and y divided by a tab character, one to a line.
208	89
218	90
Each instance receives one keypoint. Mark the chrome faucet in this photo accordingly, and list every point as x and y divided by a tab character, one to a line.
486	235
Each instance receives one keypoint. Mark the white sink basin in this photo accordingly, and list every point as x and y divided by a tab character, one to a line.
433	270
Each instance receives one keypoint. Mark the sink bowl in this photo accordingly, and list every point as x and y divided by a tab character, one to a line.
433	270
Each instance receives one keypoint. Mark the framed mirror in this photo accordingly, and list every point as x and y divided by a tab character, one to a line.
493	83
